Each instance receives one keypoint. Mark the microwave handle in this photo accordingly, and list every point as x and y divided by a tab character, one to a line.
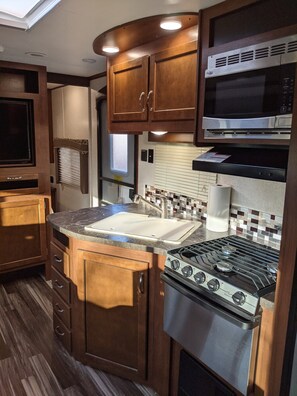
241	123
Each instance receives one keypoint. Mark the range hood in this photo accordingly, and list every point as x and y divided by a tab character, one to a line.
254	162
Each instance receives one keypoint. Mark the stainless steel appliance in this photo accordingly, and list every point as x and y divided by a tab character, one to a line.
212	294
249	91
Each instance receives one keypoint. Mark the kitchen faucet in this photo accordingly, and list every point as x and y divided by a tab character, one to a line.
163	210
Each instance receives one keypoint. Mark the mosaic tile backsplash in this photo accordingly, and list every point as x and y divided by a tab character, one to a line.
259	226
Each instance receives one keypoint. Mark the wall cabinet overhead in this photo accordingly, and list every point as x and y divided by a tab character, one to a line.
70	112
156	92
151	82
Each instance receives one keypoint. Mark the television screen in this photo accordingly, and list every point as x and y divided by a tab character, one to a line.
16	132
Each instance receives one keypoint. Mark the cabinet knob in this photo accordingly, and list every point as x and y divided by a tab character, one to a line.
142	102
57	259
149	100
58	308
59	332
59	286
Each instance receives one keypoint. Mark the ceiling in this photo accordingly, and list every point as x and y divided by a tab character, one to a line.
67	33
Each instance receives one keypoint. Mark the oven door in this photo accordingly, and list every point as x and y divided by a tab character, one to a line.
219	339
257	99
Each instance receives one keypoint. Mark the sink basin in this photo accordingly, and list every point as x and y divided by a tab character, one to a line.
145	227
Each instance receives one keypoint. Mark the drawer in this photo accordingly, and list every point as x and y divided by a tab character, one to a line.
62	333
61	285
59	259
62	310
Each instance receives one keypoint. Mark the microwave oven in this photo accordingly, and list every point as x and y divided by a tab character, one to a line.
249	92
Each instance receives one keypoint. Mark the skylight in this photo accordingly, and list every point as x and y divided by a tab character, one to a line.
23	14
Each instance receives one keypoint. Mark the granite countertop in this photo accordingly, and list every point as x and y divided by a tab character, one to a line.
72	224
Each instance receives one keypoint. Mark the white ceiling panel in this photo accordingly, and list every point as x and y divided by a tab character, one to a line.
67	33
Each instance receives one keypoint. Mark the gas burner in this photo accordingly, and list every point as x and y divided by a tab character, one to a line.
272	269
224	266
227	250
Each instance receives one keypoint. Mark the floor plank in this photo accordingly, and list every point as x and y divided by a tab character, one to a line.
32	360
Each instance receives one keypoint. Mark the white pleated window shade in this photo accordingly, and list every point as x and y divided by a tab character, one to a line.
173	171
69	166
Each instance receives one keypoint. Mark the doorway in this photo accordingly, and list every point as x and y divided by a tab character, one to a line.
117	162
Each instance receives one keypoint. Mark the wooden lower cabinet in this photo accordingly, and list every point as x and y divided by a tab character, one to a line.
22	232
108	310
116	306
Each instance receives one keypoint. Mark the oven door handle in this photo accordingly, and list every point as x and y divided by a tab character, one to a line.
240	322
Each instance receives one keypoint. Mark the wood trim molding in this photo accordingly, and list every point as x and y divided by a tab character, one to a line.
287	264
66	79
99	75
74	144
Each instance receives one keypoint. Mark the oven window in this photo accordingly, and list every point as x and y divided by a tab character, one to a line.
195	380
244	95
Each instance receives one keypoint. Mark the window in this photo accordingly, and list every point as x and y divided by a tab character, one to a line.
72	163
23	14
119	154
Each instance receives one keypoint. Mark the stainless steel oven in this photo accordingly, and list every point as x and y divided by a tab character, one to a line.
212	293
249	92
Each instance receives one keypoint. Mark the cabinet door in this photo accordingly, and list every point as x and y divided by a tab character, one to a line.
172	93
128	83
115	313
22	233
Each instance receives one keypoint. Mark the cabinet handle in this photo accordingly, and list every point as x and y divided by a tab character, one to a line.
142	101
57	259
58	308
60	333
148	100
58	284
141	283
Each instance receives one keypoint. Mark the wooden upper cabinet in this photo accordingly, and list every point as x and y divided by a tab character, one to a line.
172	84
128	84
158	90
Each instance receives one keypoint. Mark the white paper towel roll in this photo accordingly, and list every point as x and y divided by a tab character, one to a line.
218	208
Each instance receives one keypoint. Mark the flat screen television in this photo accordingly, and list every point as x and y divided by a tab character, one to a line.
16	132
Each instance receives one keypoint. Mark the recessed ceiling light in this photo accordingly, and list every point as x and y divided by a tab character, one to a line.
36	54
110	49
89	60
159	133
170	25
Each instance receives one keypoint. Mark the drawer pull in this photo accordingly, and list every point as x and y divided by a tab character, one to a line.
57	259
141	283
58	284
57	331
58	308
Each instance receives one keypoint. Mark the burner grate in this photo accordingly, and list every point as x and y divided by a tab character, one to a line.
247	260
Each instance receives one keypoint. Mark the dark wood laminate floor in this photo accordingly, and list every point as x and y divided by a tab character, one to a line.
32	361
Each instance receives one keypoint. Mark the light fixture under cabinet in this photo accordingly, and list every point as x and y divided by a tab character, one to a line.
159	133
110	49
170	25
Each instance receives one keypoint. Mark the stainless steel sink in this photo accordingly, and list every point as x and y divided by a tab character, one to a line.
145	227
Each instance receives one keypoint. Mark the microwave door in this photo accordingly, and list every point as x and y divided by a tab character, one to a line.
249	99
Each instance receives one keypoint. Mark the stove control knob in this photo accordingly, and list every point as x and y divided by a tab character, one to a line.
187	271
213	285
200	277
238	298
175	264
